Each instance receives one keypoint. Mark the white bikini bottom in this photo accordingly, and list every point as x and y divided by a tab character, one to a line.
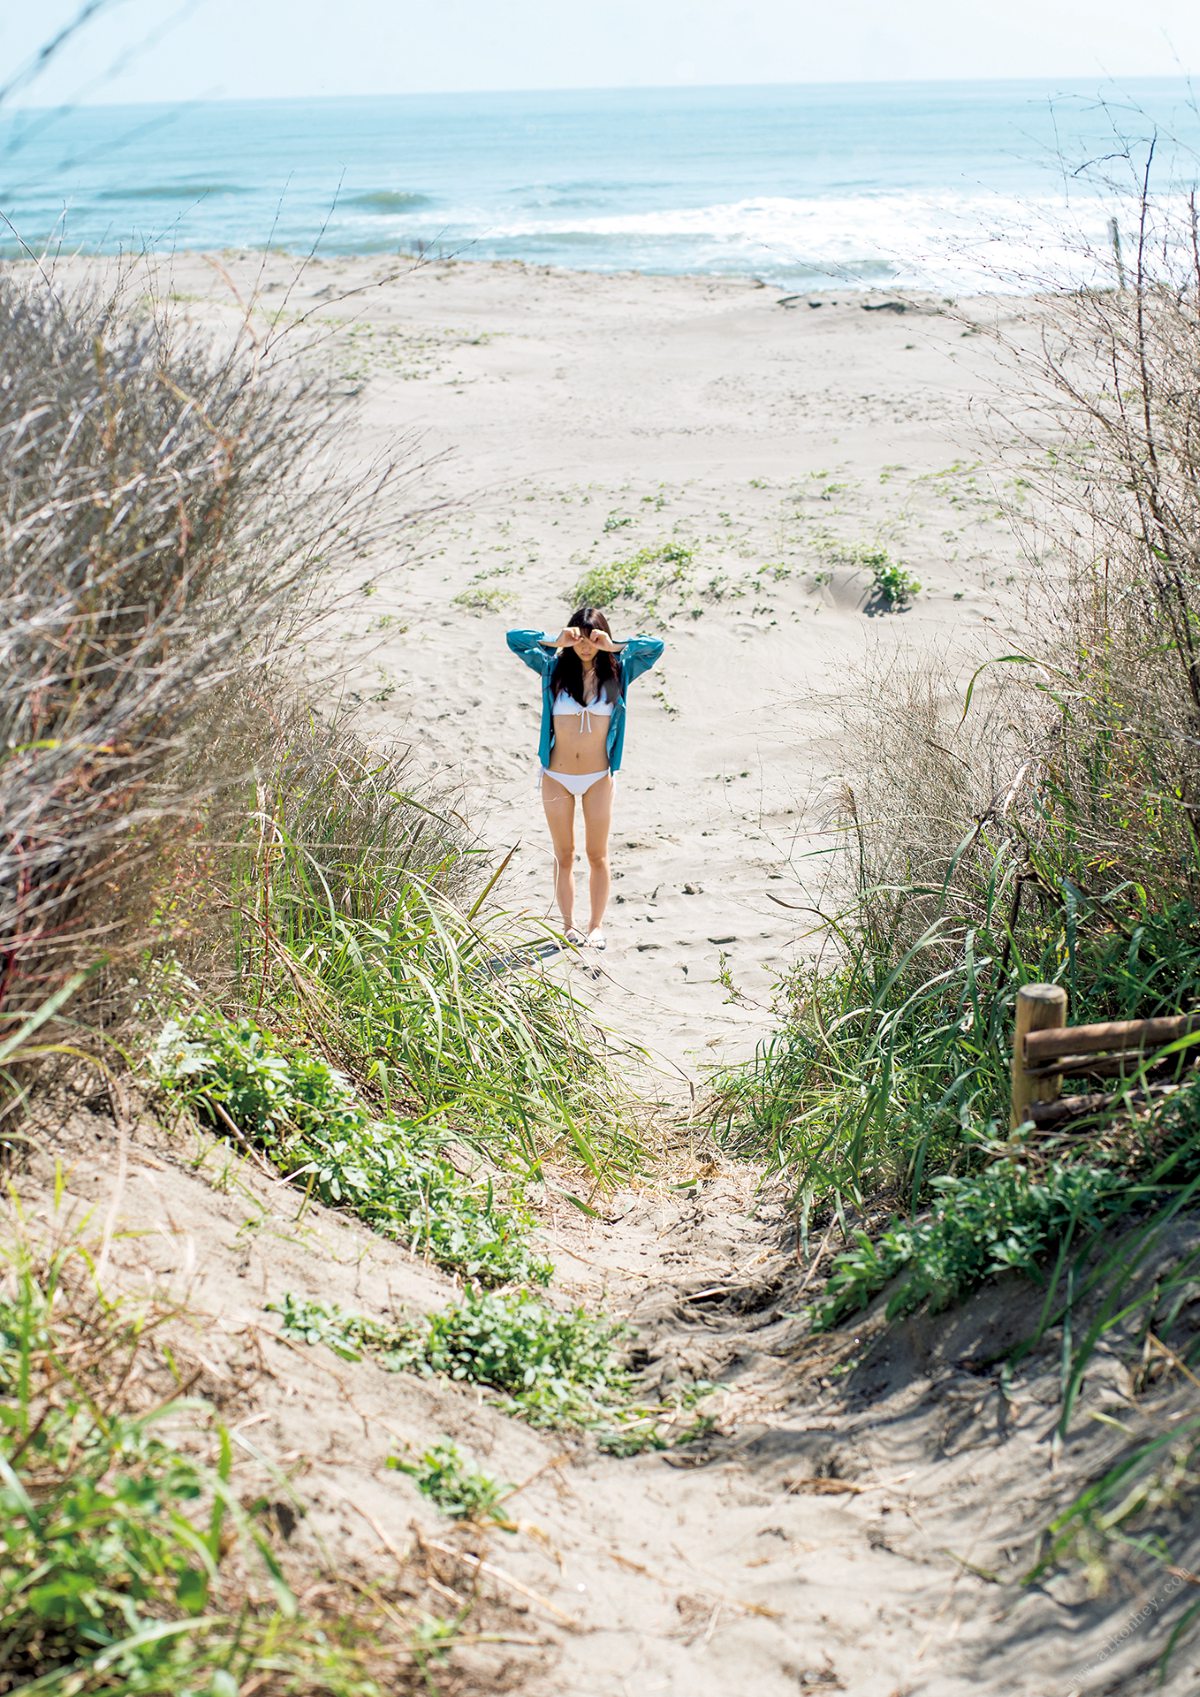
579	783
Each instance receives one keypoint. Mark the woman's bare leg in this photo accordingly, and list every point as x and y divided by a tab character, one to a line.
559	806
597	821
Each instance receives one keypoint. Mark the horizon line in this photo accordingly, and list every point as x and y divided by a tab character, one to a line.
1096	79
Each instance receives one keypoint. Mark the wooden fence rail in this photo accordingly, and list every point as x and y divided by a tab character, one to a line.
1046	1049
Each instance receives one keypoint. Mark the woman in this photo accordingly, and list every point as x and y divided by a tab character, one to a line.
585	679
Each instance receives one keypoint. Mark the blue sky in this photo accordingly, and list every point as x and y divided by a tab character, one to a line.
139	50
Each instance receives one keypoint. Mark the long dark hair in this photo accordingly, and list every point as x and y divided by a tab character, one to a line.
568	668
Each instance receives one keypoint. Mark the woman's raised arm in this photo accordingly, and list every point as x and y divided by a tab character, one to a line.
534	647
638	654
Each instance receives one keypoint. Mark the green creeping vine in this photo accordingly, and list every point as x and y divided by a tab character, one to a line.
443	1475
308	1118
1005	1218
551	1369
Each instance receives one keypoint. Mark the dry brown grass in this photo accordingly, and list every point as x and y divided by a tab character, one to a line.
1080	761
170	527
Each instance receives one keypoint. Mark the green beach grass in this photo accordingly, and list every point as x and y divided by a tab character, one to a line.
1032	821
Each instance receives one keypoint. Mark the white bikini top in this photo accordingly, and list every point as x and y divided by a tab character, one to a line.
564	703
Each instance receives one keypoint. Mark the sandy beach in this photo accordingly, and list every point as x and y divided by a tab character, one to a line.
575	421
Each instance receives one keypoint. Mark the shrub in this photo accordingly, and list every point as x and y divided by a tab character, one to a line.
894	587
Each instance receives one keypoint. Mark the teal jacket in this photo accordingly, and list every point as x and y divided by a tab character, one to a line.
637	655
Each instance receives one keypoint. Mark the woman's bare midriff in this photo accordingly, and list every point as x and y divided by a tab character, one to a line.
579	751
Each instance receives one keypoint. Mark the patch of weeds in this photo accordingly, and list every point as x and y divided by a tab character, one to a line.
659	1428
894	586
351	1337
665	702
307	1117
775	570
617	521
1005	1218
484	598
640	577
443	1475
721	586
957	482
132	1558
553	1369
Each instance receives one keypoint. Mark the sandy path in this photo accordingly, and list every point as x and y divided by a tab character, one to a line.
856	1521
579	419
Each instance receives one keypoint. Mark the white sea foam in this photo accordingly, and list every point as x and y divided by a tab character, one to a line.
933	241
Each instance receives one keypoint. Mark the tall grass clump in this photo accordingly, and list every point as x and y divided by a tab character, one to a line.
157	564
377	944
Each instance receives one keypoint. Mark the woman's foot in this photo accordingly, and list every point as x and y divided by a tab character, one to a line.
575	937
597	939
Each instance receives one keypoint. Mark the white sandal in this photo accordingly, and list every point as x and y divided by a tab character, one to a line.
575	937
597	940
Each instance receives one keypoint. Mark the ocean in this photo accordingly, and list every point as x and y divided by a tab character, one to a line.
948	186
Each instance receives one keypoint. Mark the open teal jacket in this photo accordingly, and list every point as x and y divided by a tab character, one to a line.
537	650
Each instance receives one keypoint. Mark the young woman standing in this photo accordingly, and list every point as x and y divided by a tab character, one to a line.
585	680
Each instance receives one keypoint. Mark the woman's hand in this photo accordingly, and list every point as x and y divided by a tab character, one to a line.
605	643
568	638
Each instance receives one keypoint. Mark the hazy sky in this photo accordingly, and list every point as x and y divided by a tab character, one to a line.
138	50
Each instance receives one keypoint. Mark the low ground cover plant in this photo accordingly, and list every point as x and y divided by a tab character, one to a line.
553	1369
642	576
307	1117
894	586
461	1491
1009	1217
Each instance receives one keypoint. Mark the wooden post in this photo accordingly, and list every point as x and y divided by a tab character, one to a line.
1040	1007
1114	237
